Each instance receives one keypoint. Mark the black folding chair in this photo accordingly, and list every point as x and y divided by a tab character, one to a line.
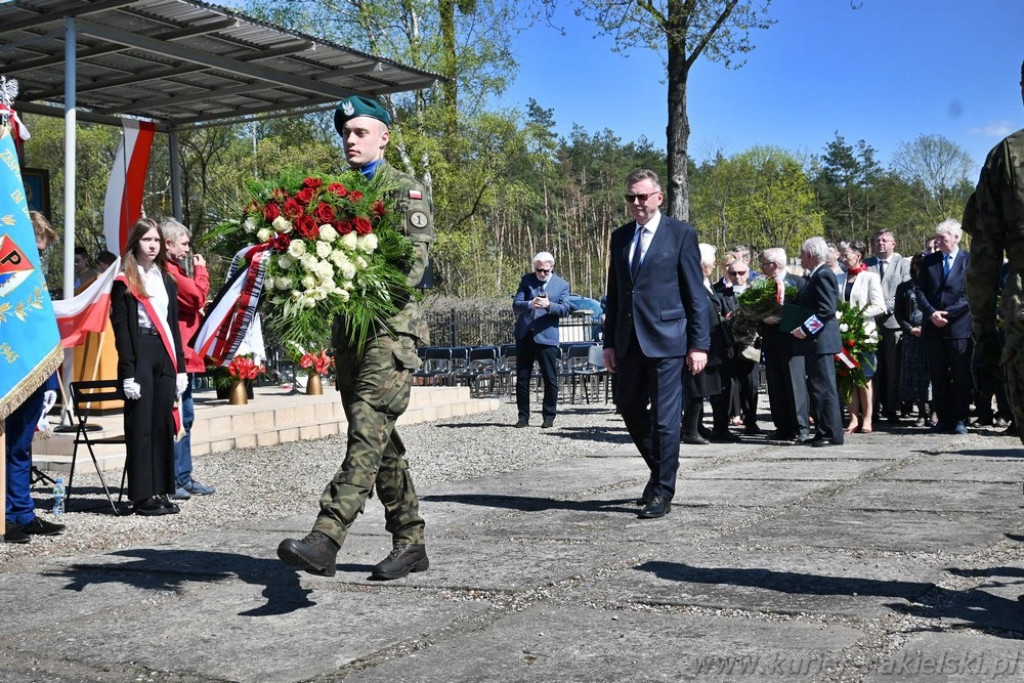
84	395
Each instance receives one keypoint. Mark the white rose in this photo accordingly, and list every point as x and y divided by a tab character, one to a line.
249	225
361	263
348	270
338	258
343	295
285	262
844	328
323	250
350	240
296	294
309	303
325	271
264	234
297	249
309	262
308	282
282	224
367	243
284	283
328	233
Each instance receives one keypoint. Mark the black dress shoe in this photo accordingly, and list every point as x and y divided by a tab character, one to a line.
151	507
40	527
547	424
521	424
695	440
658	507
724	436
804	439
822	443
778	435
751	430
13	533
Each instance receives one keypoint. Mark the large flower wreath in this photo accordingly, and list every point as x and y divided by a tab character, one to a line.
858	345
333	250
757	303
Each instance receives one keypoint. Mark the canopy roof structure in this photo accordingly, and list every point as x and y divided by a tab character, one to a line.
180	63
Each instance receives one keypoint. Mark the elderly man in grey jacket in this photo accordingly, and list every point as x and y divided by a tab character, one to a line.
540	301
893	270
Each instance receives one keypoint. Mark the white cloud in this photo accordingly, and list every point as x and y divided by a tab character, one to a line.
996	129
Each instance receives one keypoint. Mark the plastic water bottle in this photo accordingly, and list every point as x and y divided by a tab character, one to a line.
58	496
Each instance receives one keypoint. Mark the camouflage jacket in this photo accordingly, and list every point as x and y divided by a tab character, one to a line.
994	217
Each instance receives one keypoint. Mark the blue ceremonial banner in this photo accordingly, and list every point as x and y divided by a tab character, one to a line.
30	348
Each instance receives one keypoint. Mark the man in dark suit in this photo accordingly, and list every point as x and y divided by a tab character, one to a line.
784	371
947	327
893	270
539	302
656	316
817	340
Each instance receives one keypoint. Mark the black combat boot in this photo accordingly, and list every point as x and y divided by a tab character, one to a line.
402	560
316	553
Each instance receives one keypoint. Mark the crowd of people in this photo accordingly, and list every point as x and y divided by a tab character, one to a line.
915	309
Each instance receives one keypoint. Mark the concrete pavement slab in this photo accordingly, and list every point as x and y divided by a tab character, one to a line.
579	643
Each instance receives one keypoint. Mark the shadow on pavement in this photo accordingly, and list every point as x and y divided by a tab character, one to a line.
533	504
169	570
976	607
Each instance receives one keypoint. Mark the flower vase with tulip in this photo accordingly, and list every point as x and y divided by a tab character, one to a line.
317	364
242	369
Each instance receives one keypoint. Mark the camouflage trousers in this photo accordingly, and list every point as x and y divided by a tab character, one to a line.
375	391
1013	372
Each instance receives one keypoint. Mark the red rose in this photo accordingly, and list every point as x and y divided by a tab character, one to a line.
324	213
378	208
850	344
355	195
292	208
280	241
343	227
337	189
270	212
305	195
363	225
312	182
307	227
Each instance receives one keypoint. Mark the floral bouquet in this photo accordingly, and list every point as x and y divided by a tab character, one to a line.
243	367
758	303
317	363
857	345
333	249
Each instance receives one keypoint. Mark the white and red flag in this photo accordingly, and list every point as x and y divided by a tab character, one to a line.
88	311
127	182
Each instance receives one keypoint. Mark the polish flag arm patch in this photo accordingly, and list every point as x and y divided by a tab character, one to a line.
813	325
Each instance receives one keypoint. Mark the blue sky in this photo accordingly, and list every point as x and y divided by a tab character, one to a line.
886	73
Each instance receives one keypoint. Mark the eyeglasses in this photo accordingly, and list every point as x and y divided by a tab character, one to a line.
737	272
542	270
630	198
769	264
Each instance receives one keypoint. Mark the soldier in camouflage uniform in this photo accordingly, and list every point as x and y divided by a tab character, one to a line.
995	220
375	384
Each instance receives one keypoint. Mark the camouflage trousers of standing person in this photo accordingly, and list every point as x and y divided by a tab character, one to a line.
1013	372
375	390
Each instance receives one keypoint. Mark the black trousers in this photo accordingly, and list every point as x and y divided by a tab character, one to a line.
649	396
149	423
824	396
949	369
887	374
528	351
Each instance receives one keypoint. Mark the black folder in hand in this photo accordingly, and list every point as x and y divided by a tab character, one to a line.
793	316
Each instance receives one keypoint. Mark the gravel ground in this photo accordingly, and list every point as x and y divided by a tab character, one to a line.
286	480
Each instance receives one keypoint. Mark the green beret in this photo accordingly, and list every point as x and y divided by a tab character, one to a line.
357	105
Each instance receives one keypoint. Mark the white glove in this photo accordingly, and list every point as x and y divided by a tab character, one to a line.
132	389
182	381
49	400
